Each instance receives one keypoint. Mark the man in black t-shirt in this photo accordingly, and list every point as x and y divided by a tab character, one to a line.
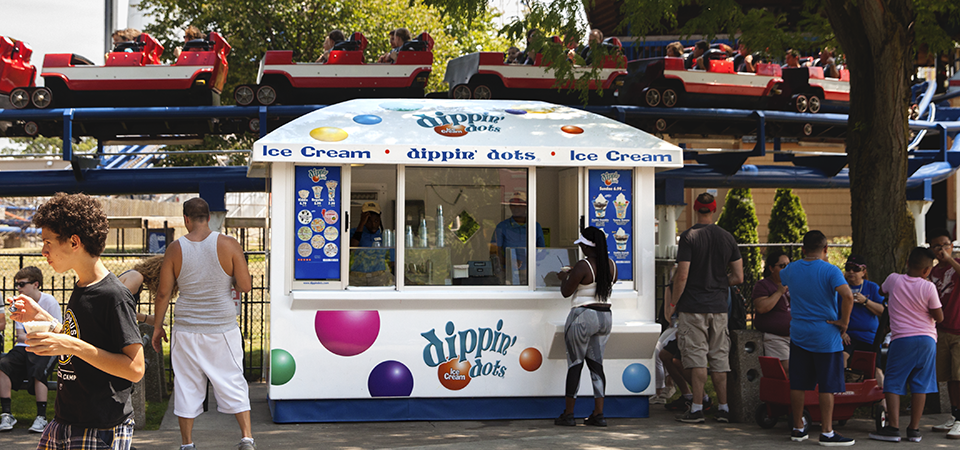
99	345
704	254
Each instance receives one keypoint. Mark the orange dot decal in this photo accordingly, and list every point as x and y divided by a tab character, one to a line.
571	129
453	374
530	359
451	130
328	134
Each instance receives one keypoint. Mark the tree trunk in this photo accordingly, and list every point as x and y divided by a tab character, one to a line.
877	41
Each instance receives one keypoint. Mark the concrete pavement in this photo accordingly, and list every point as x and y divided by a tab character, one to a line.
218	431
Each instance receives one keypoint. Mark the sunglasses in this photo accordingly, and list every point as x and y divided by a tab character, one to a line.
781	265
20	284
854	267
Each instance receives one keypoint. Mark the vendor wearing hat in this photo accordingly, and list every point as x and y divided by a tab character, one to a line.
867	308
368	265
512	234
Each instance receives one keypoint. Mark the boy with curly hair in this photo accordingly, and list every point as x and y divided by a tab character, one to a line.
99	345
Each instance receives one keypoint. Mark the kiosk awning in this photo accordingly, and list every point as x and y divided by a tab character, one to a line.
462	133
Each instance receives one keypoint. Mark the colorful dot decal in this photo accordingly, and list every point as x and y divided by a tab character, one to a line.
518	112
530	359
636	377
328	134
454	374
282	367
347	333
451	130
367	119
571	129
390	379
401	106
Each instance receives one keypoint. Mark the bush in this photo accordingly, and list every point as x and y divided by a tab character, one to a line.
788	222
739	217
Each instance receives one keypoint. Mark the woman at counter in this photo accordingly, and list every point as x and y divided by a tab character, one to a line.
588	284
771	300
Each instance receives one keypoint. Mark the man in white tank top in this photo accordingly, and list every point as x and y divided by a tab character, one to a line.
206	342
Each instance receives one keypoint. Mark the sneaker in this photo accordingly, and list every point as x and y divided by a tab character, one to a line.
658	399
836	441
722	416
680	404
565	420
7	422
946	426
798	436
246	444
691	417
954	432
38	424
707	405
887	433
188	447
914	435
595	420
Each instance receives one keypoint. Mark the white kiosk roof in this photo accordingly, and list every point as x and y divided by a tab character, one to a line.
462	133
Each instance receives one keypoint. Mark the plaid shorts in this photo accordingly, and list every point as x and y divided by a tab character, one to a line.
60	436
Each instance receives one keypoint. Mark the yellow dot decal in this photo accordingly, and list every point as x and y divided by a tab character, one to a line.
328	134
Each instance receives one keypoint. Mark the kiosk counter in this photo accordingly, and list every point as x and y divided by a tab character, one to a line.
445	303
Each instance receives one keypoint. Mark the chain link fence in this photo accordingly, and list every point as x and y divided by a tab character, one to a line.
254	316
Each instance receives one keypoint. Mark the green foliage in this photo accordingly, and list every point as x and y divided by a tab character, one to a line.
739	217
788	222
45	146
838	255
210	142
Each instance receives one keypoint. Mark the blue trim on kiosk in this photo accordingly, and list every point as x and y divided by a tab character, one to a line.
476	408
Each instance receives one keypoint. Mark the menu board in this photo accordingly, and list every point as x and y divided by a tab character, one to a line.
316	225
611	210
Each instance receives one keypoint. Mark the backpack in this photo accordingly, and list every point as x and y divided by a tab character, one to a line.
737	319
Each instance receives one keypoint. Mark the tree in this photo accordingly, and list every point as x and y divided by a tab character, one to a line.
878	39
739	217
788	222
45	146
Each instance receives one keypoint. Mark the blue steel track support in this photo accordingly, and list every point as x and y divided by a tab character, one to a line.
68	134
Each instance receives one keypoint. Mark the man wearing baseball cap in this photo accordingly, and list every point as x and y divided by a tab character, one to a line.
511	233
368	266
704	254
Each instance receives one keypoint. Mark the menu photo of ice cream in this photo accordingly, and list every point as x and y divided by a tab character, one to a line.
600	206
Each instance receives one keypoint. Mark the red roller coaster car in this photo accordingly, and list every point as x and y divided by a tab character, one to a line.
132	76
344	76
16	71
484	75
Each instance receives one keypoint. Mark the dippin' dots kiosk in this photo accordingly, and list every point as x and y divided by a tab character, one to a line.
451	309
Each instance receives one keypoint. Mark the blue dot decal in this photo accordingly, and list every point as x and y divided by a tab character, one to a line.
515	111
636	378
401	106
367	119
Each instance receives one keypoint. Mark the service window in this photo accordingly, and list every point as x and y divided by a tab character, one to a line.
557	199
371	234
466	226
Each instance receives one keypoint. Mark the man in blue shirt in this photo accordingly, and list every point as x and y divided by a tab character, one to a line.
816	348
512	234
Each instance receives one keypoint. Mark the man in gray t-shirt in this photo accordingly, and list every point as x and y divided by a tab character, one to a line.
699	295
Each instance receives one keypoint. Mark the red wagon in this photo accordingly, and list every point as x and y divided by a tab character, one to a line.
775	394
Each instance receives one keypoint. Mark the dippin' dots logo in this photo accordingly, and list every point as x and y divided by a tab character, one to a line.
609	178
318	174
459	124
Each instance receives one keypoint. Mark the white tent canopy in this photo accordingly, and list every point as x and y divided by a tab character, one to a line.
462	132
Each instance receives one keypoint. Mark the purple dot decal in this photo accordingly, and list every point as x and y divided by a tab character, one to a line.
515	111
347	333
367	119
390	379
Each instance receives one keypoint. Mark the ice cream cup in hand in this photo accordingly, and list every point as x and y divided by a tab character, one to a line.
565	269
38	326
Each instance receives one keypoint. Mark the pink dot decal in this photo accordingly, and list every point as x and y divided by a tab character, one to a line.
571	129
347	333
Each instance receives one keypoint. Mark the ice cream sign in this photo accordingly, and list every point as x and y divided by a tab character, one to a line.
614	188
475	132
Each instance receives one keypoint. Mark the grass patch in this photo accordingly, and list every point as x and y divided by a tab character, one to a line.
155	412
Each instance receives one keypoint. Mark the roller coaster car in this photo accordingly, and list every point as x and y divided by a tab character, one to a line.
132	76
484	75
667	83
16	71
344	76
805	89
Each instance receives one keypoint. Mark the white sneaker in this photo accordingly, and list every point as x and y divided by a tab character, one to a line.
946	426
38	424
658	400
7	422
954	432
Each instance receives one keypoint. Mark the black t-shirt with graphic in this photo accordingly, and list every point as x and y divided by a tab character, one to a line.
102	315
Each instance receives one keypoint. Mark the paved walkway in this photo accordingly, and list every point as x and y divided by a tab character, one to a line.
217	431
